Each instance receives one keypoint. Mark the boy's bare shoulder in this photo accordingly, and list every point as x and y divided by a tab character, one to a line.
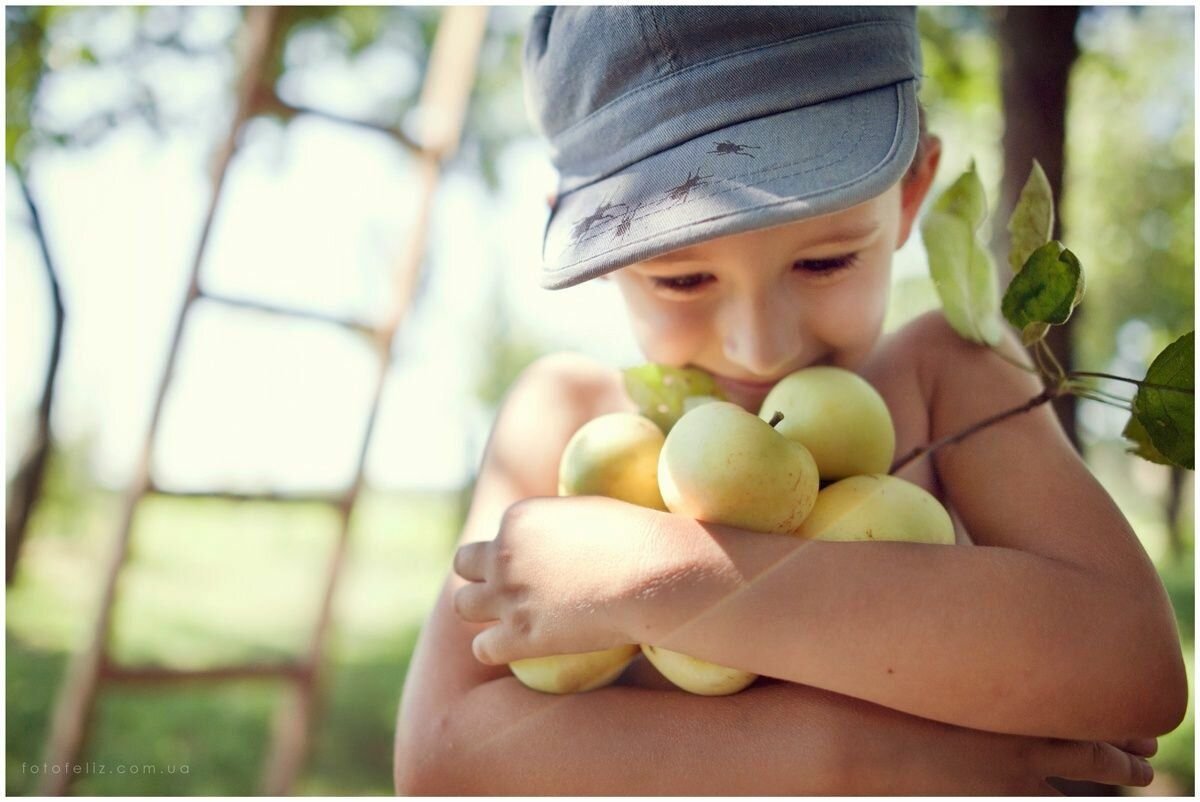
548	402
584	386
934	355
945	361
925	346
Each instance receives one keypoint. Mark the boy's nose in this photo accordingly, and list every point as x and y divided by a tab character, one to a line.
761	338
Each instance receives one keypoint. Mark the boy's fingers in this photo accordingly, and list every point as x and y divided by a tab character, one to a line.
1097	762
1142	747
487	646
472	603
469	561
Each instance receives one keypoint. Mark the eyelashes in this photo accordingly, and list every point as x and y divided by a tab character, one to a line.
813	267
826	265
688	283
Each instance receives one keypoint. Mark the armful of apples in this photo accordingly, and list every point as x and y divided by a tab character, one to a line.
692	453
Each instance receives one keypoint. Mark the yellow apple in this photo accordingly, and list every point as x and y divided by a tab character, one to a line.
724	465
697	676
838	416
877	507
574	673
614	455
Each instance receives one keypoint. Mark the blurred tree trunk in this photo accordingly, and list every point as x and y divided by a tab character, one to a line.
26	485
1037	46
1174	505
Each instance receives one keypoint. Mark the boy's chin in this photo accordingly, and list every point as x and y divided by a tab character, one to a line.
751	401
748	398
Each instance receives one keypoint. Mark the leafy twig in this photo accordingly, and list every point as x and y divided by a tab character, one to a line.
1100	395
1049	394
1100	399
1138	382
1059	373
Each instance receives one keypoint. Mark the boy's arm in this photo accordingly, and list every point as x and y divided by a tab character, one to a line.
1057	625
774	738
469	728
465	727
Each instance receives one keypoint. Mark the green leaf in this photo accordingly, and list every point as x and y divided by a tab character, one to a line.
1044	292
961	267
1166	410
1141	446
965	199
1032	220
661	391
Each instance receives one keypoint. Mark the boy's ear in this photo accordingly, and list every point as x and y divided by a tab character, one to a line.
915	186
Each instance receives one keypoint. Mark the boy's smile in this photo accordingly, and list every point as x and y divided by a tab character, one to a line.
751	308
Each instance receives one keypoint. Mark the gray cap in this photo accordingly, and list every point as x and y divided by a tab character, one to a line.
670	125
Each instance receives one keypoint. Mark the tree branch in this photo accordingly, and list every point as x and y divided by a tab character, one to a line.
26	486
1049	394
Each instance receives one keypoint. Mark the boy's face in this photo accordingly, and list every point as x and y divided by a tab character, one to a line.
751	308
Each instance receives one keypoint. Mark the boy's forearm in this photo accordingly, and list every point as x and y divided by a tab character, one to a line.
504	739
986	638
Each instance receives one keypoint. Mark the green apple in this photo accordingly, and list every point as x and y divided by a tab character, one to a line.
574	673
877	507
614	455
838	416
724	465
661	391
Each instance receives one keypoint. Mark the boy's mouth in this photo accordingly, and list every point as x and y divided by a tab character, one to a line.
743	391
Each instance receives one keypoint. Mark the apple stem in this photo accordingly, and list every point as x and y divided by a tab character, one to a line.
776	418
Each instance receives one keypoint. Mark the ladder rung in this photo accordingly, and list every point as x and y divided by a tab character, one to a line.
227	495
390	131
283	311
116	673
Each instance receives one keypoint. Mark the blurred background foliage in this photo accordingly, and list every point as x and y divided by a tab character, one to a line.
196	591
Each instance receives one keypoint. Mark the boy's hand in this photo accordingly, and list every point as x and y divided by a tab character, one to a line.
551	580
897	753
1026	766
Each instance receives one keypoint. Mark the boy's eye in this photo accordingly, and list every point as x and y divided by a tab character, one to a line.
682	284
825	266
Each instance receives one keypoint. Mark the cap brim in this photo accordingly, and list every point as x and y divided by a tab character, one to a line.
763	172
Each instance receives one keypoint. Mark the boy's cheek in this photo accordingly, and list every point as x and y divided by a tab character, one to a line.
667	341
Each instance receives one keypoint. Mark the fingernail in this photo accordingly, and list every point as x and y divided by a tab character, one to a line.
1145	772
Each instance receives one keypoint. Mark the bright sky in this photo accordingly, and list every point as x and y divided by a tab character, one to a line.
312	216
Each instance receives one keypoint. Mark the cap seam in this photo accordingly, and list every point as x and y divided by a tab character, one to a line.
718	59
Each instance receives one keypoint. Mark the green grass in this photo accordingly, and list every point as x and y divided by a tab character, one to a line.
214	583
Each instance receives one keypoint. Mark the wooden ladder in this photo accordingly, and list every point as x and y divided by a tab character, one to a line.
442	107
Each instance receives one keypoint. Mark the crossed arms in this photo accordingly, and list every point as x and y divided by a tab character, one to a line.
976	637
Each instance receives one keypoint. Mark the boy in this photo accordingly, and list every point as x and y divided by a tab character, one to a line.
744	175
